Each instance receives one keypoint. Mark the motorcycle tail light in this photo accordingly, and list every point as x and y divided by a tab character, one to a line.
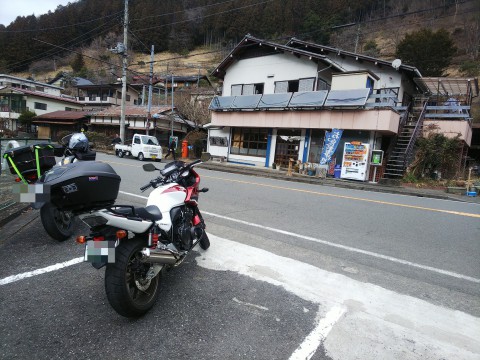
121	234
81	239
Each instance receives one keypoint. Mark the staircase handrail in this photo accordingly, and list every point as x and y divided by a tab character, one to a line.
413	138
401	124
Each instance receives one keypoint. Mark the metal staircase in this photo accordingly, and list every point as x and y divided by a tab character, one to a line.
403	144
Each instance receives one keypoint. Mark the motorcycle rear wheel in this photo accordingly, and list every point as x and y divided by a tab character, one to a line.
128	292
58	224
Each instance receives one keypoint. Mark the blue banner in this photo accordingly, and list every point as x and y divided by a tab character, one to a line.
332	139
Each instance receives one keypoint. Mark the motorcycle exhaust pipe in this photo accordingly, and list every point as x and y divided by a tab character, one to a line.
163	257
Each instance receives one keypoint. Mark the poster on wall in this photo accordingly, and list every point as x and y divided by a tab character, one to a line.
355	161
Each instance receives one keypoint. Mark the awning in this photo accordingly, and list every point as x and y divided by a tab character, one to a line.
448	86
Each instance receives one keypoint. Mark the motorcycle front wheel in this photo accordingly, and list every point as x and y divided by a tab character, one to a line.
204	241
128	291
58	224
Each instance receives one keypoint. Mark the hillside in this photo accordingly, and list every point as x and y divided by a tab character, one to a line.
195	38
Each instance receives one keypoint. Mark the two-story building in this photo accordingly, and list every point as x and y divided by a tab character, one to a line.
101	96
278	101
18	95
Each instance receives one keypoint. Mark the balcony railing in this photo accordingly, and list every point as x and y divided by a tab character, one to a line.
13	109
103	98
355	98
328	99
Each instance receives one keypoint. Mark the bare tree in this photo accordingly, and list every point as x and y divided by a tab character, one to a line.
193	106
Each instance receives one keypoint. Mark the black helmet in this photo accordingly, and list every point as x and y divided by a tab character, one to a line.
78	142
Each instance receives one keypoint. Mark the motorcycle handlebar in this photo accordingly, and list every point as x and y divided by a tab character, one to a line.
143	188
152	183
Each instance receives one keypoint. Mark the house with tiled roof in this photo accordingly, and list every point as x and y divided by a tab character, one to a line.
52	124
161	123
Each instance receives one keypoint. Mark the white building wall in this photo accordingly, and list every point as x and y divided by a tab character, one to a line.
389	77
51	105
349	81
268	70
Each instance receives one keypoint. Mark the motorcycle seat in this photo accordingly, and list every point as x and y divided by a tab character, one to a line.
150	212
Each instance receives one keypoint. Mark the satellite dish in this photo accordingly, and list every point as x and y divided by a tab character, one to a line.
396	64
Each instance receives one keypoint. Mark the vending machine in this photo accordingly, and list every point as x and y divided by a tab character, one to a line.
355	161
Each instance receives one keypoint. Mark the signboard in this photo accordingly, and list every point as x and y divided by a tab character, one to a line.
377	158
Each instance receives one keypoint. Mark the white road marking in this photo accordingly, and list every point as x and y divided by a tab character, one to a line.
311	343
13	278
339	246
249	304
351	249
375	322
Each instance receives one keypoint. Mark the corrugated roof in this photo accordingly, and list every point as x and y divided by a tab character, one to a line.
448	86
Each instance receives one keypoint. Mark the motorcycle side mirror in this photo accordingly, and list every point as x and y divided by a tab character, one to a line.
149	167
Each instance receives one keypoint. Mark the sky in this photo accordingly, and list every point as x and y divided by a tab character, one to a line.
10	9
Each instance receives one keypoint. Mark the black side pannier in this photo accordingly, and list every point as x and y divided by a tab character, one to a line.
30	162
82	186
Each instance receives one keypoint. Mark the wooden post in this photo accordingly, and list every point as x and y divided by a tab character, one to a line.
290	167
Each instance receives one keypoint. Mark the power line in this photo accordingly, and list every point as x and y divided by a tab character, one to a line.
206	16
51	52
61	27
181	11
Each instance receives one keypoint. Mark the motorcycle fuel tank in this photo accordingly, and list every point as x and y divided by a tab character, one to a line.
167	197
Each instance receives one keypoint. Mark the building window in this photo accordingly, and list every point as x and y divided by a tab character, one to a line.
127	98
40	106
294	85
249	141
39	88
247	89
322	85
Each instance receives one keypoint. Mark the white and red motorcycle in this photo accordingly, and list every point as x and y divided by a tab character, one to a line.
136	244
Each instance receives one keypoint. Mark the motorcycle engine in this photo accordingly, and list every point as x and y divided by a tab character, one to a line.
183	229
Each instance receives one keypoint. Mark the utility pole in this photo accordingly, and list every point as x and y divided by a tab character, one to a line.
172	104
124	73
150	84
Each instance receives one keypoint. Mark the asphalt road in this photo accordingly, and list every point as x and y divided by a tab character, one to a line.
294	271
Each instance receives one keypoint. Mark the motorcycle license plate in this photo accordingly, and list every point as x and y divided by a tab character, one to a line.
99	251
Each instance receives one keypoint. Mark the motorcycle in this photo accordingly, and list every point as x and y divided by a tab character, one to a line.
137	244
59	224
